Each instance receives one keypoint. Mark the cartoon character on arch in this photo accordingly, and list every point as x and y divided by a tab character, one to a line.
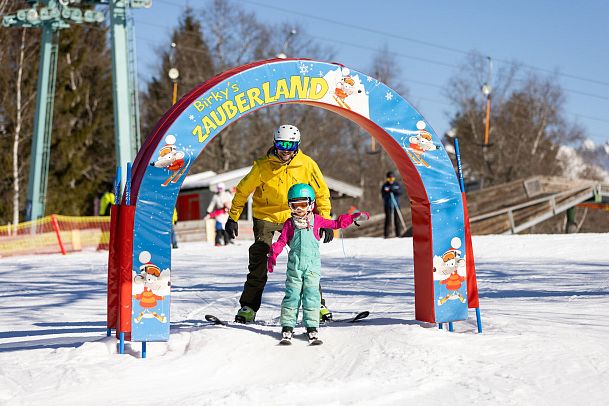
419	143
151	286
345	87
172	159
450	270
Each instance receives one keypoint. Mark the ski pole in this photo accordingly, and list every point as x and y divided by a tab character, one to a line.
397	208
117	186
462	186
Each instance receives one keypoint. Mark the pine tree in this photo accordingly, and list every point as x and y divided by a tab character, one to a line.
190	56
82	151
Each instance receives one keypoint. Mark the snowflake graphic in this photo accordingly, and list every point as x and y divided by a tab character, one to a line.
369	78
189	150
321	74
388	96
304	69
191	117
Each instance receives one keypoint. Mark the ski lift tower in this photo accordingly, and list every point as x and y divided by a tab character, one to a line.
52	16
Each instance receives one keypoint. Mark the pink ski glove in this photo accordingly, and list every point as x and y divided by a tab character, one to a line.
270	264
362	215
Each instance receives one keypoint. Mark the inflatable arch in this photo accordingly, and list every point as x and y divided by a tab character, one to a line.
140	257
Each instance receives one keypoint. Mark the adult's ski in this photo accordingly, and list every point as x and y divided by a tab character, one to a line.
215	320
360	316
354	319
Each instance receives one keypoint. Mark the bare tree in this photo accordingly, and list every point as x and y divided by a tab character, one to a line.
527	123
18	123
17	91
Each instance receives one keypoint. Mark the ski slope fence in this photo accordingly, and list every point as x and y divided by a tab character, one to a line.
55	234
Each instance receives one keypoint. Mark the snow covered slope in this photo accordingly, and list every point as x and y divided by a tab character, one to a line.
544	301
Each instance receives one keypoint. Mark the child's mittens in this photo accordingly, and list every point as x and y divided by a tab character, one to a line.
345	220
361	215
270	264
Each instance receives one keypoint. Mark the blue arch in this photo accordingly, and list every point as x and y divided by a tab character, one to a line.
185	130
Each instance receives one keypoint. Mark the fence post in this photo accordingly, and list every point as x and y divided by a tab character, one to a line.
56	228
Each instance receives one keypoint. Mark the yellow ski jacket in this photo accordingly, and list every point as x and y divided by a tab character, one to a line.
269	180
105	203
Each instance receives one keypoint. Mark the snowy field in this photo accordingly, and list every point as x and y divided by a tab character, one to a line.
544	302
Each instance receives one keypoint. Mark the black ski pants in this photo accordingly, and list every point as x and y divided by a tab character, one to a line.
391	216
221	235
257	276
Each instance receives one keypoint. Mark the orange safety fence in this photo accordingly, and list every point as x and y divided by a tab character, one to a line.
55	234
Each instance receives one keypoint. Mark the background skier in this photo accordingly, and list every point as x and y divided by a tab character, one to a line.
302	233
218	209
105	203
269	179
391	192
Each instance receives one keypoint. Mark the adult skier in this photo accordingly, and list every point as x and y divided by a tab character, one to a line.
269	179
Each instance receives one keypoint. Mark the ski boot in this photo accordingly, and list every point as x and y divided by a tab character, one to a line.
313	336
245	315
325	314
286	336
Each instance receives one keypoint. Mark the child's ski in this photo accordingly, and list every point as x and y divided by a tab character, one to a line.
286	337
315	341
312	335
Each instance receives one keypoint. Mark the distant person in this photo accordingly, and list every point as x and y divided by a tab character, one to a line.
174	221
218	210
269	179
391	192
105	203
302	233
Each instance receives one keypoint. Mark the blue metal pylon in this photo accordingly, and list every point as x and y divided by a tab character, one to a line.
51	16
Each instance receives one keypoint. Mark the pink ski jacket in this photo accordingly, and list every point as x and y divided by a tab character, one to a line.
287	232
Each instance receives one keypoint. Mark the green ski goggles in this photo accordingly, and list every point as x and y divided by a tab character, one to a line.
283	145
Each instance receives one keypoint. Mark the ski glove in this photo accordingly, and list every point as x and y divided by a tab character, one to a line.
360	215
327	234
232	228
270	264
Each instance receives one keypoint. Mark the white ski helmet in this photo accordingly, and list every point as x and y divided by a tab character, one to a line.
220	187
287	137
287	132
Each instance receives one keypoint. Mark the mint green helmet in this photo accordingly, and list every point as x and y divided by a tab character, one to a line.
301	191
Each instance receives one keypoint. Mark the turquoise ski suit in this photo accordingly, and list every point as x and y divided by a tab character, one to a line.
304	267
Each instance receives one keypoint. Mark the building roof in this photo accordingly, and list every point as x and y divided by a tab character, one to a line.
210	179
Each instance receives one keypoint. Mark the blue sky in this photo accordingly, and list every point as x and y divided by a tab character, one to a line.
558	35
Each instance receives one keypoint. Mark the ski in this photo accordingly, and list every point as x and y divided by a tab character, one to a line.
313	337
315	341
214	320
286	336
356	318
217	321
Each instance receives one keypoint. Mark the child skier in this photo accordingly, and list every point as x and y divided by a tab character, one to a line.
301	232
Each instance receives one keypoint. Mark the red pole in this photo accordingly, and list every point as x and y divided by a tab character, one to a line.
56	228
